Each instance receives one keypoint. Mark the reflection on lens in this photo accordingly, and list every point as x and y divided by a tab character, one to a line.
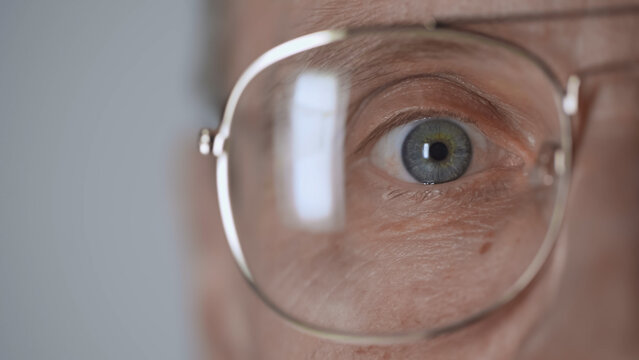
381	183
310	147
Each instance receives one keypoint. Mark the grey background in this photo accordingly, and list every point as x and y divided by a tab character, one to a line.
95	99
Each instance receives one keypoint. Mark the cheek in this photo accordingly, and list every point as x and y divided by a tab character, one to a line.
447	253
407	259
499	337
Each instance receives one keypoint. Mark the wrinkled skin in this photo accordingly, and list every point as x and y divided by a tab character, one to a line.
583	303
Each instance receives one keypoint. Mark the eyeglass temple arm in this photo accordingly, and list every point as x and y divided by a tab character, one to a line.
571	98
571	104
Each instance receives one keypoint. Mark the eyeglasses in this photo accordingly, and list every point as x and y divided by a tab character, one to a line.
389	184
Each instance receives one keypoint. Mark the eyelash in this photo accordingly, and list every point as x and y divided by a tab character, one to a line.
404	117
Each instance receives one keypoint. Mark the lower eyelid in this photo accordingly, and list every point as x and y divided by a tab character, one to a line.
459	192
486	184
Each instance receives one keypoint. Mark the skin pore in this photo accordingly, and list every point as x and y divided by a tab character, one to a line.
591	314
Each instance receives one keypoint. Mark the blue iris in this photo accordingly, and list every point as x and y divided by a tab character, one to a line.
436	151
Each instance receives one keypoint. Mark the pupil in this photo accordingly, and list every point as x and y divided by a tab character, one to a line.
438	151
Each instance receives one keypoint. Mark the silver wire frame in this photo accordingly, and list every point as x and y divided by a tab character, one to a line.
566	99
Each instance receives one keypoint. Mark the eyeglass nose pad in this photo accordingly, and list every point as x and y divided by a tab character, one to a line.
549	166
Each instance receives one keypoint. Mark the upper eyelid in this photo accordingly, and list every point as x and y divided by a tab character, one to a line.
496	105
493	105
402	118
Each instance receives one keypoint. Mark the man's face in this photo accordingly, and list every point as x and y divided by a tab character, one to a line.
592	314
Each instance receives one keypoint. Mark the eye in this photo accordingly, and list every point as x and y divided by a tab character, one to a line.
434	151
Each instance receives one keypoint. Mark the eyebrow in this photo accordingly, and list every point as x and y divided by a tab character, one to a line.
541	16
350	15
454	21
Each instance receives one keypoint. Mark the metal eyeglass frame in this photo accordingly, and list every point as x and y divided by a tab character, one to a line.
215	142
